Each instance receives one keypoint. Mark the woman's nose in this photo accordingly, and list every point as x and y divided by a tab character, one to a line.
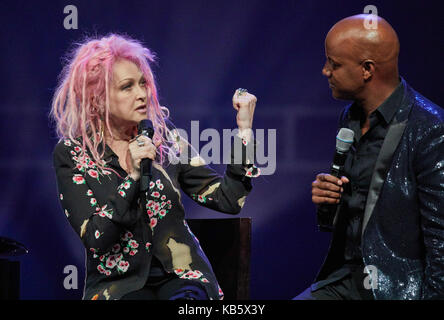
142	93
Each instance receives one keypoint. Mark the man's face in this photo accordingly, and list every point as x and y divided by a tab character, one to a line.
342	69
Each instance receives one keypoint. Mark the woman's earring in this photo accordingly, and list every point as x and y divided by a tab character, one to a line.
102	131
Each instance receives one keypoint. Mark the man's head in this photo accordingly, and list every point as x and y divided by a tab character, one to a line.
360	60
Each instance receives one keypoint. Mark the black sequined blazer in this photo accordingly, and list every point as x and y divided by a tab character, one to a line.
403	224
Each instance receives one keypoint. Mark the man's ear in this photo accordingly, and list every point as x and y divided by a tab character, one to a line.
368	69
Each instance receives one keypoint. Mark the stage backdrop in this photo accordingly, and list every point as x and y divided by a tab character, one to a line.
205	50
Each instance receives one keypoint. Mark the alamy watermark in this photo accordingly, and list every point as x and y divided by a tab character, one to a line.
71	280
212	153
371	281
71	21
371	21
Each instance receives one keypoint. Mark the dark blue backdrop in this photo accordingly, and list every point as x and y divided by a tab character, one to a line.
206	49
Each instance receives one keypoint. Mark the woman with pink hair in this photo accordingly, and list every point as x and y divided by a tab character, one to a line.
138	244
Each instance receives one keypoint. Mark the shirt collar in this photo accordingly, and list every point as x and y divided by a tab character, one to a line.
387	109
108	152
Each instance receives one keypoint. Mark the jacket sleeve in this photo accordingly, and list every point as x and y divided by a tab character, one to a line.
99	225
221	193
430	177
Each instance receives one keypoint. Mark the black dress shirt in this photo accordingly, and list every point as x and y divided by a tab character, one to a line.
359	167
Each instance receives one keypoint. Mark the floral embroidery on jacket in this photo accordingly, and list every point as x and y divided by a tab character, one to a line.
157	207
199	198
102	212
191	274
84	164
93	173
221	293
253	172
113	255
125	185
78	179
114	260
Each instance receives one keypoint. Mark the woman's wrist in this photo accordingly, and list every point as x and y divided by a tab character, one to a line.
245	134
135	175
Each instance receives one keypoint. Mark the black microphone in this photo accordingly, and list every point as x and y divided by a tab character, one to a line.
145	128
344	140
326	213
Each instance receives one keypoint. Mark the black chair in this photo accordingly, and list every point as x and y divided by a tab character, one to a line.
9	269
227	244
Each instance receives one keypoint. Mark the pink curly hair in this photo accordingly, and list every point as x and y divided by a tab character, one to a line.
80	106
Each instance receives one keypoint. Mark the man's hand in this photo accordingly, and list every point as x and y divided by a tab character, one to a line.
327	188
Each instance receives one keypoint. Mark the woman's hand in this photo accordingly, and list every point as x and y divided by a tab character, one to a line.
244	103
138	152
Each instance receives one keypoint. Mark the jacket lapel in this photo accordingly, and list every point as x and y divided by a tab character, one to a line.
384	160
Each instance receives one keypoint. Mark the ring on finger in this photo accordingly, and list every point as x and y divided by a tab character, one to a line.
241	91
140	143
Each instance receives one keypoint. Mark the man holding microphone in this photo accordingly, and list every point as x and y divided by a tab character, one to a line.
386	210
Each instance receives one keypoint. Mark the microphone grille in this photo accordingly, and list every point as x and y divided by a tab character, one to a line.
145	124
344	139
145	127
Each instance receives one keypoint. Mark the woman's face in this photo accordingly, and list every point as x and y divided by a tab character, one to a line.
128	94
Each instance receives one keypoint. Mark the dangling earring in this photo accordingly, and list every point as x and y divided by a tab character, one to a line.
102	130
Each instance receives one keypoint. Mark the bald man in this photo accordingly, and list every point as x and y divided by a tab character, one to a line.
388	229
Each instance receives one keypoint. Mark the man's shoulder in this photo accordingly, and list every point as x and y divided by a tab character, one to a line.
426	120
425	111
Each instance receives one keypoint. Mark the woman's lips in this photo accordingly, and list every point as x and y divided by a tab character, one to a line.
141	109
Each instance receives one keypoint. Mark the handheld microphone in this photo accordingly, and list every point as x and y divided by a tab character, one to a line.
344	140
145	127
326	213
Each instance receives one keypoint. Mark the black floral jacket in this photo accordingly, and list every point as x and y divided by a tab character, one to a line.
121	237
